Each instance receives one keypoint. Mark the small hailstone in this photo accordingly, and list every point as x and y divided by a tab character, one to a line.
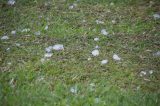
111	3
95	52
96	47
48	55
9	63
99	22
71	7
97	100
104	32
116	57
156	16
43	60
89	59
17	44
157	53
37	33
49	49
96	39
113	21
143	73
13	32
151	72
4	37
58	47
8	49
11	2
46	27
83	21
74	89
104	62
25	30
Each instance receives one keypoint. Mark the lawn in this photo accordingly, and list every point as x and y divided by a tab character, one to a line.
123	71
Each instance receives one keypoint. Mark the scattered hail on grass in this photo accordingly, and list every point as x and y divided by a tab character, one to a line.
13	32
156	16
104	32
99	22
48	55
58	47
116	57
37	33
4	38
96	39
74	89
157	54
95	52
46	27
25	30
103	62
11	2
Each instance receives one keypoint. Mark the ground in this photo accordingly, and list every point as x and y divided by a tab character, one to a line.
73	77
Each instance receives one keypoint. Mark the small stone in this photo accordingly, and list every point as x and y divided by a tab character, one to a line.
116	57
103	62
96	39
104	32
95	52
4	38
58	47
48	55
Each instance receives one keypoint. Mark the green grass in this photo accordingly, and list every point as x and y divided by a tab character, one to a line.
134	36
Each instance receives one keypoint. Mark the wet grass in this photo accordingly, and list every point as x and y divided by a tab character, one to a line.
25	80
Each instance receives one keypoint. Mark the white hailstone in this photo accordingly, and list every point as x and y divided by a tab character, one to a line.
8	49
157	53
74	89
58	47
71	6
25	30
95	52
13	32
43	60
116	57
111	3
143	73
97	100
96	39
96	47
17	44
49	49
156	16
46	27
103	62
11	2
4	38
37	33
9	63
48	55
74	4
89	59
99	22
104	32
151	72
113	21
83	21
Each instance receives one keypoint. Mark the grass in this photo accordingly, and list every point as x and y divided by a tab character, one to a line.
134	36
